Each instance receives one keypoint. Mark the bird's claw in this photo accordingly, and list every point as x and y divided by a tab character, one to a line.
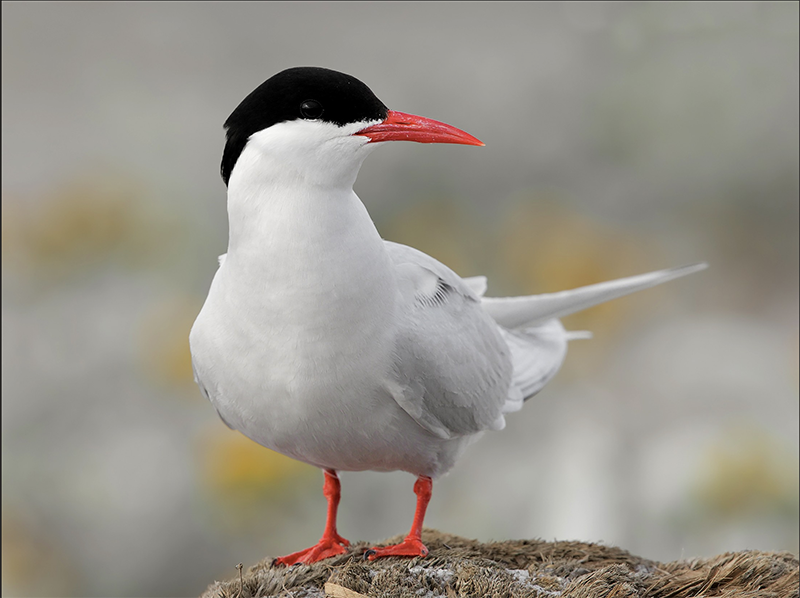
367	553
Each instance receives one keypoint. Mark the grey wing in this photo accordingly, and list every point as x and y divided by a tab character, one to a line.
537	353
453	366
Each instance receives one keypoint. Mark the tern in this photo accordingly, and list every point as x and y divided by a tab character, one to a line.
326	343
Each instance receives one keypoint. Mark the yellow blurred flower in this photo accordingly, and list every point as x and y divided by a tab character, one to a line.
244	474
33	562
79	224
544	247
87	223
164	340
747	470
439	227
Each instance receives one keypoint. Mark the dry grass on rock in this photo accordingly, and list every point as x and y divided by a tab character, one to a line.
460	568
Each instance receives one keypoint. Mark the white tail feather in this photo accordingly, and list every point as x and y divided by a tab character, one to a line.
514	312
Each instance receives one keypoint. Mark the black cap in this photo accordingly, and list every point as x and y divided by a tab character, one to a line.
304	92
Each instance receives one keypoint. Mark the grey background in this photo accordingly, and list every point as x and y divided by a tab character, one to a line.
620	138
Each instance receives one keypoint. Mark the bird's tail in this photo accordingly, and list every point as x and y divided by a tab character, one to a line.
518	312
536	338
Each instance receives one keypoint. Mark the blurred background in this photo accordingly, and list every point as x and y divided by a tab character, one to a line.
620	138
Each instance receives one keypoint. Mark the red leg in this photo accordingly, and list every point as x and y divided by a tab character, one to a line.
331	543
412	545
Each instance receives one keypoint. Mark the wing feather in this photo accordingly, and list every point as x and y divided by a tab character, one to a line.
453	365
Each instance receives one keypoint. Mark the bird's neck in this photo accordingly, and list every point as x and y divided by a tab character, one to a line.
306	250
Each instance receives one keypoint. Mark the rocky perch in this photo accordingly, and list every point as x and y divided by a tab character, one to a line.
458	567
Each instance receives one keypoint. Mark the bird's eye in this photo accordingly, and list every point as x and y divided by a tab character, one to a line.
311	109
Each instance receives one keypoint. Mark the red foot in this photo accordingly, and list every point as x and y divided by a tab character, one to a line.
324	549
412	545
408	547
331	543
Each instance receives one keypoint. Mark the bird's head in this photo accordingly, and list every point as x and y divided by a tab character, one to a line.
317	126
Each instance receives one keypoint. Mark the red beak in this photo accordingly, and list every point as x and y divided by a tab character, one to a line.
407	127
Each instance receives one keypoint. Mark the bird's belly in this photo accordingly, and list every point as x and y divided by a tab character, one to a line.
301	395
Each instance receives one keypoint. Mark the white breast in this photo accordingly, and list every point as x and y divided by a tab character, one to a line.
295	345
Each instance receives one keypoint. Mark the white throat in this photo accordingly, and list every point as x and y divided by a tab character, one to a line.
305	168
303	252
